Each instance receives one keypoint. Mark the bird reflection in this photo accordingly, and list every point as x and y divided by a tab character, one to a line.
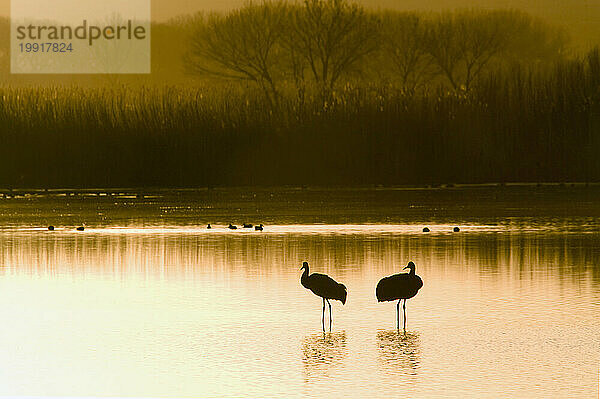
400	351
322	352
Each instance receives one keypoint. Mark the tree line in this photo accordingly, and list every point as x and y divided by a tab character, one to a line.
318	45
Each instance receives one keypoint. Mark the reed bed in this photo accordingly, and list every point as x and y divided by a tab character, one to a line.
518	125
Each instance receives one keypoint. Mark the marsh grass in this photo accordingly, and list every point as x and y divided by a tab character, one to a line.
517	125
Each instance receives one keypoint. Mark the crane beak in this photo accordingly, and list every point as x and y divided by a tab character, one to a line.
406	267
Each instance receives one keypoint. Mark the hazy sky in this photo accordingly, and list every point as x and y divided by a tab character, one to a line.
586	9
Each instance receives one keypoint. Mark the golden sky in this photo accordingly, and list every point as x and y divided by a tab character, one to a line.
586	10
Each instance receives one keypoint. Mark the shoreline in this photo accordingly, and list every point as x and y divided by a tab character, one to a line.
13	192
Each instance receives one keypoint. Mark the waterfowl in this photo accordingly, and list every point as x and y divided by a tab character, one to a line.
324	286
399	286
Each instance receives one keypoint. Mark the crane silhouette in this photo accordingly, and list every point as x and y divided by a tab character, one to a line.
325	287
399	286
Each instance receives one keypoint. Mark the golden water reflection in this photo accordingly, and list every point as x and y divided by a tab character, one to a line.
399	351
226	314
323	352
562	256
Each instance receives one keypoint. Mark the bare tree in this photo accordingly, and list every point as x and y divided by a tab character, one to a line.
332	37
404	39
483	37
441	40
242	45
463	43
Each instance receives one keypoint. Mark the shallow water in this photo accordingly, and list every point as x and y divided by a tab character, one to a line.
150	303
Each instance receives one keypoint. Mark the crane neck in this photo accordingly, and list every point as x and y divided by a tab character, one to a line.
411	272
304	278
305	273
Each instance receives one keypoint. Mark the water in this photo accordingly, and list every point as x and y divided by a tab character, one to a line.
147	302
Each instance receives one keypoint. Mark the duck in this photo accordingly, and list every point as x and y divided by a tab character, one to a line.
259	227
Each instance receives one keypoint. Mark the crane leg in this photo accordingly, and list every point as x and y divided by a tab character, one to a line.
323	318
404	308
398	314
330	317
